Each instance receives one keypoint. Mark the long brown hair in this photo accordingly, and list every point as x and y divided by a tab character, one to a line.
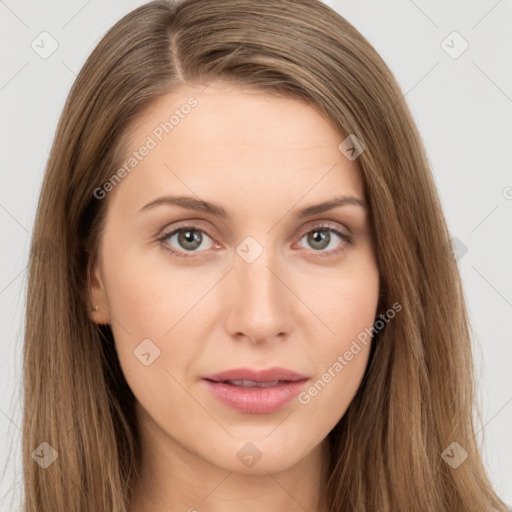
417	397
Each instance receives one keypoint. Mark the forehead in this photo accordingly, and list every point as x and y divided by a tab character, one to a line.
224	135
238	111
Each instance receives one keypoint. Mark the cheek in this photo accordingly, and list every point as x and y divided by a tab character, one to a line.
346	301
146	293
148	300
349	309
153	324
341	361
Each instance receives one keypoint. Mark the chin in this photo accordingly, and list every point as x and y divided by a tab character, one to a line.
262	453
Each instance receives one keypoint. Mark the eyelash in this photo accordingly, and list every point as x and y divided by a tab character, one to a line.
347	240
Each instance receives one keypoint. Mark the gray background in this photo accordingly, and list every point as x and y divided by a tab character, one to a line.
463	107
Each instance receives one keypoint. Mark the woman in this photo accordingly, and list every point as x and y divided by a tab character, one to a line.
242	292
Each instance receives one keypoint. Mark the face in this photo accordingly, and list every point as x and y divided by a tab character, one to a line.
191	290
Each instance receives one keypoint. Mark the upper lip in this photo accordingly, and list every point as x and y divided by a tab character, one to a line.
265	375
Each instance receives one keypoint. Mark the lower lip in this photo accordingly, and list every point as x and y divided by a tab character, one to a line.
256	400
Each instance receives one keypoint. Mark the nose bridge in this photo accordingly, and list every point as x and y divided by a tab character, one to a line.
259	305
259	284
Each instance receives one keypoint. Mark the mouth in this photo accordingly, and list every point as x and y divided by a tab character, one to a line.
252	376
253	397
251	383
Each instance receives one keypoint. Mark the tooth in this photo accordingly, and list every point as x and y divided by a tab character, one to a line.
267	384
252	383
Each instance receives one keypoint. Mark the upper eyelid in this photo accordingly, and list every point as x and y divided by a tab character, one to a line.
168	231
200	224
337	226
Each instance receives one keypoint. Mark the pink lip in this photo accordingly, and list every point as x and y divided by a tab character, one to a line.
256	400
267	375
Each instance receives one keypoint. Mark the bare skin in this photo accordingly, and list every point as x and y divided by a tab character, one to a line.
299	305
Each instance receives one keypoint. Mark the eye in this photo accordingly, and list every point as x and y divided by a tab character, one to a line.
188	238
321	237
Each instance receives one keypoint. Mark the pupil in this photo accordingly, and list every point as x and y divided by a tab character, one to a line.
190	239
321	237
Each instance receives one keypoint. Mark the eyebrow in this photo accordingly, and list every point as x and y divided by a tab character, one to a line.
191	203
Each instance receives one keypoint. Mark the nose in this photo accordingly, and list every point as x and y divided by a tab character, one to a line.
259	302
